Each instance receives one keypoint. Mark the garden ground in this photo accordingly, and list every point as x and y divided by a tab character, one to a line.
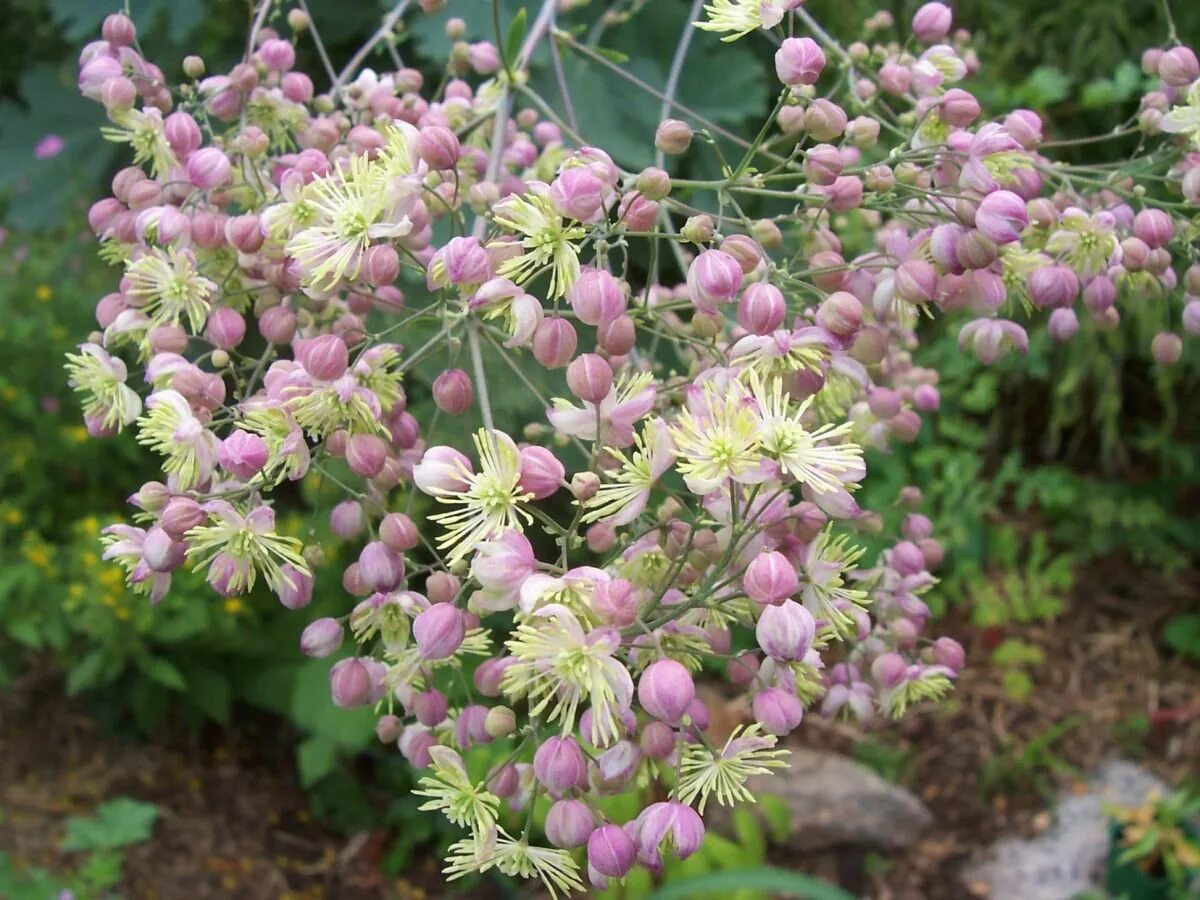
234	821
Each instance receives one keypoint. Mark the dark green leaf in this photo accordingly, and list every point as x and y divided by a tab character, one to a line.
780	882
514	39
117	823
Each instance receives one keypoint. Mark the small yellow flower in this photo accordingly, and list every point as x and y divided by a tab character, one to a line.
38	555
77	433
13	516
234	605
43	293
109	600
9	393
122	614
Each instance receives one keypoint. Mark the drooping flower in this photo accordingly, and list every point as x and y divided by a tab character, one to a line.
451	791
124	543
827	565
559	667
623	497
171	428
549	242
514	857
1185	118
171	287
100	377
703	774
613	418
143	130
811	457
240	546
740	17
719	443
490	500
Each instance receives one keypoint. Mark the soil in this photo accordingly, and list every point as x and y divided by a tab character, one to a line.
234	821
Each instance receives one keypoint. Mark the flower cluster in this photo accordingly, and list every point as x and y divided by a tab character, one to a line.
688	499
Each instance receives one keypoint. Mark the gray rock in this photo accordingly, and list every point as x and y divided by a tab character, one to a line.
1069	858
836	802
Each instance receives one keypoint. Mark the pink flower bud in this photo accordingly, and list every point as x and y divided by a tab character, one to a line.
118	94
778	711
636	212
863	131
745	250
225	328
1062	325
1166	348
442	469
932	551
484	57
324	358
770	578
823	164
381	265
541	472
596	296
366	454
388	729
118	30
569	823
590	377
958	108
430	707
1053	286
666	690
398	532
1025	126
578	194
824	120
244	232
554	342
906	558
926	398
889	669
1001	217
931	22
653	183
439	631
1178	67
500	723
349	683
916	281
713	277
615	603
347	519
845	194
182	133
840	314
277	55
611	852
799	61
673	137
463	261
438	147
559	764
884	403
297	87
1191	317
209	168
296	587
905	426
380	568
786	631
452	392
1154	227
277	325
616	336
321	638
762	308
160	552
243	454
949	653
442	587
180	515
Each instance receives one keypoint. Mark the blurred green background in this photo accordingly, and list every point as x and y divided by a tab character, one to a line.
1033	470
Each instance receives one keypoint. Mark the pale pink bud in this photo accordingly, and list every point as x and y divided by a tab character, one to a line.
845	194
786	631
243	454
1025	127
611	851
1052	286
666	690
673	137
824	120
958	108
347	519
297	87
277	55
398	532
637	212
916	281
823	164
799	61
889	669
840	314
1191	317
430	707
541	472
1001	217
569	823
762	308
926	398
653	183
616	336
453	392
484	58
554	342
388	729
438	147
324	357
590	377
770	578
949	653
278	325
745	250
778	711
1062	325
931	22
442	587
442	469
615	603
180	515
1154	227
863	131
713	277
182	133
349	683
439	631
366	454
225	328
118	30
578	193
884	402
1179	67
118	94
245	232
559	764
380	568
596	296
321	638
1166	348
380	265
296	587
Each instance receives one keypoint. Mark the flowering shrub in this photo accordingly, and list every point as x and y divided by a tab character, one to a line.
711	356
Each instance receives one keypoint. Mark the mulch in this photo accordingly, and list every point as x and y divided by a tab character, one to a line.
234	820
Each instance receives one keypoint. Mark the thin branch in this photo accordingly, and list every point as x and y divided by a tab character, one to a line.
312	27
672	85
485	404
259	20
385	29
563	90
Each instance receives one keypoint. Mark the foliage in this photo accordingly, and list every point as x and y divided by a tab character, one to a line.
1160	839
1023	765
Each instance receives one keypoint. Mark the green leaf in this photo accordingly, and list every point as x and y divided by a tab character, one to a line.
613	56
1182	634
117	823
316	757
159	670
89	673
780	882
514	39
209	690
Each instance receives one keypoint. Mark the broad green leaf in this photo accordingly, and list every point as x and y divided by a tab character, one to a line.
116	823
514	39
780	882
162	671
315	758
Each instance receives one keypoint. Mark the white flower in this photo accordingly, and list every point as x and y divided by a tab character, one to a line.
1185	120
171	287
101	379
515	858
740	17
172	429
703	774
451	791
621	499
143	130
548	240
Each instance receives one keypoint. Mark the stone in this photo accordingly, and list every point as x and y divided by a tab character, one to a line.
837	802
1069	859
